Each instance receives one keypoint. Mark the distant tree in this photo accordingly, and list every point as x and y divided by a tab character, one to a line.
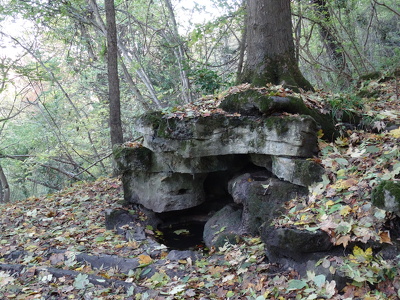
270	47
4	187
113	80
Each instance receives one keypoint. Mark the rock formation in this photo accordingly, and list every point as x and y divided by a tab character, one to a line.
238	170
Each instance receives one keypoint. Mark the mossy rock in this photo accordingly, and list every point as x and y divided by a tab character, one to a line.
223	226
252	102
298	171
131	158
387	196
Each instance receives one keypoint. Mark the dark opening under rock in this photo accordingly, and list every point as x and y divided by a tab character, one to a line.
182	236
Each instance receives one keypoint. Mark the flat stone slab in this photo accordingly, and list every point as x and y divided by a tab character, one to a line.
223	135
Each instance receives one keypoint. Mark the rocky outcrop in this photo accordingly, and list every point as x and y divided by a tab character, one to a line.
168	171
220	134
238	170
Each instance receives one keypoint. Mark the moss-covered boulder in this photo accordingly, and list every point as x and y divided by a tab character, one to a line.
387	196
262	197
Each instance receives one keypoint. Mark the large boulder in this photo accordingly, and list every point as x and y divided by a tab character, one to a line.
224	226
166	181
302	250
262	197
292	243
164	191
220	134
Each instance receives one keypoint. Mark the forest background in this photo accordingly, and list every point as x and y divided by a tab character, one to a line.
54	127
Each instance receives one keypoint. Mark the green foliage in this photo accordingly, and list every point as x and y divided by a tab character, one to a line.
206	81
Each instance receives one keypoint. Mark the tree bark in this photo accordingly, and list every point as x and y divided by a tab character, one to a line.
270	46
125	54
113	80
179	53
333	47
4	187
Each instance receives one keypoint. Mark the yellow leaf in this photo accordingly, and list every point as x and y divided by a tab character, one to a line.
344	184
345	210
395	133
341	173
329	203
182	261
357	251
144	259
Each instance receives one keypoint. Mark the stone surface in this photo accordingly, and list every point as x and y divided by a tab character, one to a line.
223	135
262	197
175	255
162	192
140	158
115	219
223	226
260	160
387	196
298	171
301	250
293	243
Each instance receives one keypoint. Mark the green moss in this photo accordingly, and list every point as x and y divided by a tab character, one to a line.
118	151
308	171
160	125
128	158
387	195
242	102
281	125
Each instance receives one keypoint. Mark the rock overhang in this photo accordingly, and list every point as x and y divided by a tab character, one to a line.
292	135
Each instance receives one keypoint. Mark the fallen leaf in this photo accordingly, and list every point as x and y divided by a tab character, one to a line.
144	259
343	240
385	237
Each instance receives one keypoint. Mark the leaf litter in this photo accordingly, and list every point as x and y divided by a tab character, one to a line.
72	222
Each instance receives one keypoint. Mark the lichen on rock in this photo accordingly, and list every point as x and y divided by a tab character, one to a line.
387	196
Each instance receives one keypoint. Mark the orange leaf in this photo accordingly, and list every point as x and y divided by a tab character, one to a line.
385	237
144	259
343	240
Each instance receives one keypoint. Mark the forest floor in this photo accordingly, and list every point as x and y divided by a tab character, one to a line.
49	245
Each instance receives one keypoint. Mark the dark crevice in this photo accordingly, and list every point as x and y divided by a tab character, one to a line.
183	229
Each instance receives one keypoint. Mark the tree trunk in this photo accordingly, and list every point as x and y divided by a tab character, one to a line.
4	187
179	53
113	80
270	46
333	47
